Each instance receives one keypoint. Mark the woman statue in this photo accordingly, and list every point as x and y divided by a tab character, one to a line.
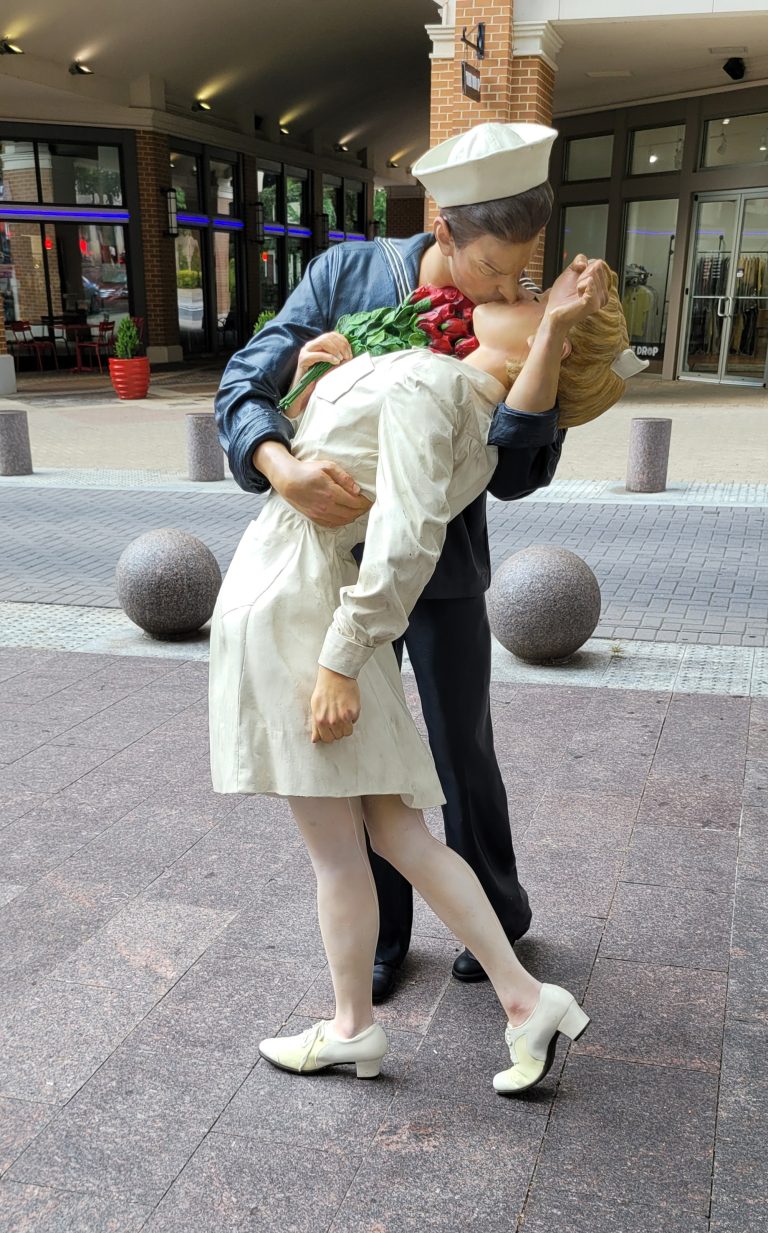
306	699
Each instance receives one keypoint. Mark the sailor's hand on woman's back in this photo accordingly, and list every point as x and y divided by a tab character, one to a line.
321	490
335	706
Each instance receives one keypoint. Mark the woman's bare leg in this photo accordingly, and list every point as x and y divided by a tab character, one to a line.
332	829
453	891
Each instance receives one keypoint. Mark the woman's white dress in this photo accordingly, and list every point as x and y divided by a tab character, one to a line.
412	429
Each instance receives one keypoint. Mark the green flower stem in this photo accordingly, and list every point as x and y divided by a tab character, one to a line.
380	332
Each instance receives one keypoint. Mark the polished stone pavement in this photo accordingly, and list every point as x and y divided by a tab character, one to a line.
153	932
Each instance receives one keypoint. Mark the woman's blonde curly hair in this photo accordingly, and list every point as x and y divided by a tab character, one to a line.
587	385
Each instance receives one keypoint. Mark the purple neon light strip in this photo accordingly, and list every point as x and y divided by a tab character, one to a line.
63	215
234	224
303	232
274	229
195	220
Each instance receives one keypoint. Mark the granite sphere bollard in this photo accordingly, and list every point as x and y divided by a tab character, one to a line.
205	457
167	582
15	453
543	604
649	438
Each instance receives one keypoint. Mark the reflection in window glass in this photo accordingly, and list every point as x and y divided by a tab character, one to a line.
270	276
225	270
189	291
657	149
18	181
589	158
649	245
269	181
353	206
297	197
298	253
222	187
584	231
736	139
22	273
87	270
76	173
332	202
184	179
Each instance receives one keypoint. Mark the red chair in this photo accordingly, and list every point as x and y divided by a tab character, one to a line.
100	347
22	341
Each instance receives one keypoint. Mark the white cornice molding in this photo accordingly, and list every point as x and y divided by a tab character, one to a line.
537	38
443	34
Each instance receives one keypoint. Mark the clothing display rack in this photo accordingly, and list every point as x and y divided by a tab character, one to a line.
640	303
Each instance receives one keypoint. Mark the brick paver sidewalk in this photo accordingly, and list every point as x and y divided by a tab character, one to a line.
668	573
152	933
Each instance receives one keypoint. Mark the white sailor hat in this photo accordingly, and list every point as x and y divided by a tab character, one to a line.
485	163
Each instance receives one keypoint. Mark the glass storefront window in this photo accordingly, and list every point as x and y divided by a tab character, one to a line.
354	214
584	231
76	173
189	291
22	274
184	178
332	202
270	276
736	139
656	149
18	178
87	270
589	158
298	255
649	244
223	187
225	269
269	178
297	197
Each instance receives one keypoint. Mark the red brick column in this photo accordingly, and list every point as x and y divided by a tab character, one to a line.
512	87
162	326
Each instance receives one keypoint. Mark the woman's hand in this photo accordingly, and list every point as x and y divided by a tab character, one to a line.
330	348
335	706
580	290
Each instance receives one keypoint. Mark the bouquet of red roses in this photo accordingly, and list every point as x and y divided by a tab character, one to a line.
436	317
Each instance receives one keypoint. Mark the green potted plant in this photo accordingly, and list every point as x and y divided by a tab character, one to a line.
128	369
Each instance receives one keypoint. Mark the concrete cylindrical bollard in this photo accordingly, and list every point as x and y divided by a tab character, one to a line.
649	439
15	454
205	457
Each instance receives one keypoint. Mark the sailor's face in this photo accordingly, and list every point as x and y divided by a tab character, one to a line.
488	270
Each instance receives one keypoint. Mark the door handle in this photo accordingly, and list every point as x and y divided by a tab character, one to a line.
720	312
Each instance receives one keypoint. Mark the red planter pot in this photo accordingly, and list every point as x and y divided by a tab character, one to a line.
130	378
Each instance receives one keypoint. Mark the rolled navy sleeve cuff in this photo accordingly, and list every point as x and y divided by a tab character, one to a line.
342	655
249	437
512	429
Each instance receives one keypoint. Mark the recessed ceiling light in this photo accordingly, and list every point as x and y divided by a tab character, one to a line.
80	70
7	48
200	104
725	121
610	73
284	130
392	163
653	158
340	148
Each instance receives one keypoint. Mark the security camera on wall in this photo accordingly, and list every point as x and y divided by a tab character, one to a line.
735	68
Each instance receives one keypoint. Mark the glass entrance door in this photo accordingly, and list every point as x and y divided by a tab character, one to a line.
727	326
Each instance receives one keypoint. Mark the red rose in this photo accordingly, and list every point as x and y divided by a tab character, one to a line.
430	328
467	311
436	316
465	346
455	329
441	344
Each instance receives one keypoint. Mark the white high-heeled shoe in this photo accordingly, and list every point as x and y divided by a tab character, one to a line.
317	1049
532	1044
